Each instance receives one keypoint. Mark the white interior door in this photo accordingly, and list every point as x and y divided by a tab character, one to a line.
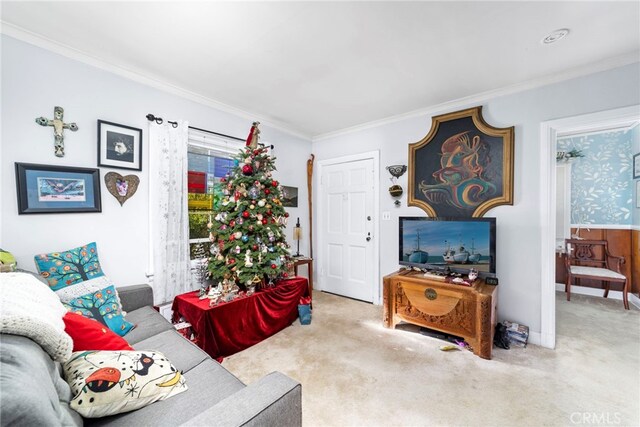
347	226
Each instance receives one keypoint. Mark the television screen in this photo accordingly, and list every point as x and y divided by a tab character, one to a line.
457	243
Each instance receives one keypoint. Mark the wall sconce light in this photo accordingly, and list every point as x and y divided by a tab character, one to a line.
396	172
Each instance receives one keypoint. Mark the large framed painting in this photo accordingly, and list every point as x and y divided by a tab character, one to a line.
57	189
463	167
119	146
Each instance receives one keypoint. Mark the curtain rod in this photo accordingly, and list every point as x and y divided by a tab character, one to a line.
159	121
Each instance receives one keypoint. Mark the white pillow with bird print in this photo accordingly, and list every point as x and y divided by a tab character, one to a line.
112	382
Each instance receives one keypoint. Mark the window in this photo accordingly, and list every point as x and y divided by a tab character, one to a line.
210	157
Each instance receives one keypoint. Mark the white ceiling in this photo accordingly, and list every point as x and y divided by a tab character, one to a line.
319	67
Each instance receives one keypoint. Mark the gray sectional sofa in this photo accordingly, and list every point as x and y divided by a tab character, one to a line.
32	391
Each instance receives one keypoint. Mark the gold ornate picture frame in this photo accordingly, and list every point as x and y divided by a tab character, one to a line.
463	167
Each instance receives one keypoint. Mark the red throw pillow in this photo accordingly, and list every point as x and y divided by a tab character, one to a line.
89	334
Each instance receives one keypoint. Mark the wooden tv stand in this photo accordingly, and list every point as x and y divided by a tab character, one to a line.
469	312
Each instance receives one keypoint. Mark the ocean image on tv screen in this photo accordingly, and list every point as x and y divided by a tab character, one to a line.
459	244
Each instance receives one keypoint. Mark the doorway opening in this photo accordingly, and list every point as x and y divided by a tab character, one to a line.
550	132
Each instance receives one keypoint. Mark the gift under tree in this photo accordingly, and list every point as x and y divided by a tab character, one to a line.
248	242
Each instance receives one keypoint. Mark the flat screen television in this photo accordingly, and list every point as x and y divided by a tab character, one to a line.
457	243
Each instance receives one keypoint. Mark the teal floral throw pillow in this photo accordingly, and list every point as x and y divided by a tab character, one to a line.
103	306
76	265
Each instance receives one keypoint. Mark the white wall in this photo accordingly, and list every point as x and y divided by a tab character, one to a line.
33	82
518	232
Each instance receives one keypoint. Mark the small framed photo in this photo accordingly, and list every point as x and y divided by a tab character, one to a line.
119	146
57	189
636	166
289	197
638	194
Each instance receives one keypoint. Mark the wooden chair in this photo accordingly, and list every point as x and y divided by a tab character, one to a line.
590	259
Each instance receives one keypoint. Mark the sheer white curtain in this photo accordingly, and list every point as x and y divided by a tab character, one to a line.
169	217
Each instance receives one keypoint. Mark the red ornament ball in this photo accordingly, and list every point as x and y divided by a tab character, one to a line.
232	261
285	274
254	247
274	266
286	214
245	214
264	221
232	223
269	212
274	183
267	191
247	170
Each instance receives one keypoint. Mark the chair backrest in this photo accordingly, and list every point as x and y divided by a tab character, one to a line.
590	253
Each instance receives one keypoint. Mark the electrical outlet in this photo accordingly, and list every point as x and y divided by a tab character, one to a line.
386	216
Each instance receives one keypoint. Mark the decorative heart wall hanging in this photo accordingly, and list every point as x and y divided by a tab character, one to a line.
121	187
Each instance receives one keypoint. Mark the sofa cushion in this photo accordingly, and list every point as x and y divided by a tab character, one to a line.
32	391
102	305
208	382
89	334
148	323
183	353
112	382
72	266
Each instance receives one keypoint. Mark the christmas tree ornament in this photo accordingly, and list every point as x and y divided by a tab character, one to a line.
252	207
235	163
237	249
267	191
247	170
251	228
257	164
254	247
262	202
264	221
245	214
254	191
247	161
259	217
232	223
273	266
238	234
274	183
254	136
271	249
239	221
245	238
285	274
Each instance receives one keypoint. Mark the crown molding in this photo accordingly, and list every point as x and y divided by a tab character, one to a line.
596	67
139	76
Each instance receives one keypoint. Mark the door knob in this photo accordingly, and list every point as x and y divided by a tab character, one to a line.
368	237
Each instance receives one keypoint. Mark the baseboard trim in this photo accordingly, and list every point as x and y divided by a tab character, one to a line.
595	292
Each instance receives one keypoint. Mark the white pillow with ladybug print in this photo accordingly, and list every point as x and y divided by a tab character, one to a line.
112	382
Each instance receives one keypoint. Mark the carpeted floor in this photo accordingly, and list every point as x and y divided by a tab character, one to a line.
355	372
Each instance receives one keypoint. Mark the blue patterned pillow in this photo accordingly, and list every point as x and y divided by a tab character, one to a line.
103	306
76	265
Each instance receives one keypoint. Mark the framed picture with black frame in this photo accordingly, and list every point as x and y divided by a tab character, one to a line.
57	189
636	166
119	146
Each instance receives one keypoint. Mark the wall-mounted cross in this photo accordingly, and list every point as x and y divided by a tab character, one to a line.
58	128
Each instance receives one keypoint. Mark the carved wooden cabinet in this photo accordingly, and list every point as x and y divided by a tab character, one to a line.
467	312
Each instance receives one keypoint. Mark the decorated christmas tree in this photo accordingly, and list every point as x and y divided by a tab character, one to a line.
248	242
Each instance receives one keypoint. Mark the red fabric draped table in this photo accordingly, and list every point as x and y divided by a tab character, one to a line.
230	327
